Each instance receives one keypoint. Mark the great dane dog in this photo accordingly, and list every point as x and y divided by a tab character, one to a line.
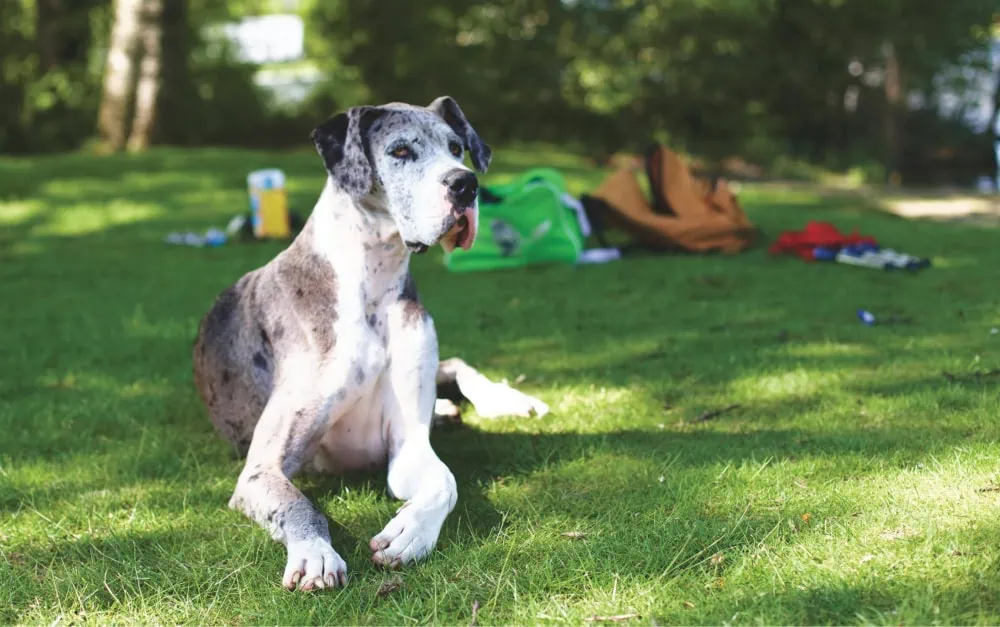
324	359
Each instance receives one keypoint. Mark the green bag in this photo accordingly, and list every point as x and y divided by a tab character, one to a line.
521	223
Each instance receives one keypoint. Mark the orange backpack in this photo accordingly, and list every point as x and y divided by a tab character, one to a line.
688	213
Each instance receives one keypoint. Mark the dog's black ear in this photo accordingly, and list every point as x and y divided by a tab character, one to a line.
342	142
449	111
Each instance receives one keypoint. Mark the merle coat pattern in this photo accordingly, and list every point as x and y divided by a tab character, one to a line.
325	360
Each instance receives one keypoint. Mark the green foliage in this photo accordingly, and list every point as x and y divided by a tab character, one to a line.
720	76
762	79
49	89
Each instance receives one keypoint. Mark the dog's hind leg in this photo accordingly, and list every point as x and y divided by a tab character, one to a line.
492	399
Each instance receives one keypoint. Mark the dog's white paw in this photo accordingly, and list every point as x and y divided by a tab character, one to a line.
499	399
408	537
313	565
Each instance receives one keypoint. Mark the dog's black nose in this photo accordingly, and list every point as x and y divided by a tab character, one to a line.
462	186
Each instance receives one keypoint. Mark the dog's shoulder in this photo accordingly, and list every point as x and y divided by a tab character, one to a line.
308	292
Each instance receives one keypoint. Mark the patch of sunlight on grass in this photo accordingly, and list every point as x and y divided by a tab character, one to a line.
139	325
86	219
104	383
911	514
951	490
19	212
778	196
172	181
583	400
796	383
955	262
828	349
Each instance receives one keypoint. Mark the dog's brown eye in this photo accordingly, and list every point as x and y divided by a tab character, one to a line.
401	152
455	149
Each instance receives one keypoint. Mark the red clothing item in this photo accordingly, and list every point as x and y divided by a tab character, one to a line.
816	235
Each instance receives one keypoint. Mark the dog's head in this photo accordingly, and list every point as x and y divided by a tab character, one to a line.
408	161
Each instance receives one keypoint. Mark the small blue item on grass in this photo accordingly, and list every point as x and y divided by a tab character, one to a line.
824	254
866	317
212	237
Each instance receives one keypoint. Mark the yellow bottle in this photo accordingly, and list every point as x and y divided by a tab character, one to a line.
268	203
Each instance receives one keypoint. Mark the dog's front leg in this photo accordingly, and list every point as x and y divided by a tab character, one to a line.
294	419
416	475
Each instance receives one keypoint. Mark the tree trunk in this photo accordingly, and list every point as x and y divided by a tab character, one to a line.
893	107
119	74
175	104
148	87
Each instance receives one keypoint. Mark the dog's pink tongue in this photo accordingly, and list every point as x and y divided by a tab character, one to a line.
468	236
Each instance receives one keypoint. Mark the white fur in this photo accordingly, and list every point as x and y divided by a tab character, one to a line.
313	564
374	394
416	475
432	197
493	399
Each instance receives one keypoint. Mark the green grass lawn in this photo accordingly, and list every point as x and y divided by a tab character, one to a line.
855	484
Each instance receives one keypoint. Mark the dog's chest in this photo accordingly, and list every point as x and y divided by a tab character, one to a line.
356	440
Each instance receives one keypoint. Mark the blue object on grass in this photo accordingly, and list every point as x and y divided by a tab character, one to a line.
824	254
866	317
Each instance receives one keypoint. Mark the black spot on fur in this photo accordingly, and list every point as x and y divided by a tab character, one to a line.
359	375
299	292
226	376
413	310
259	360
371	320
253	477
224	306
299	413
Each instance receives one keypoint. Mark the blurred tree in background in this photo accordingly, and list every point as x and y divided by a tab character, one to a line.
836	83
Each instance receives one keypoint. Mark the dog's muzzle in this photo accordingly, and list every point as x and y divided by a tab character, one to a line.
463	222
